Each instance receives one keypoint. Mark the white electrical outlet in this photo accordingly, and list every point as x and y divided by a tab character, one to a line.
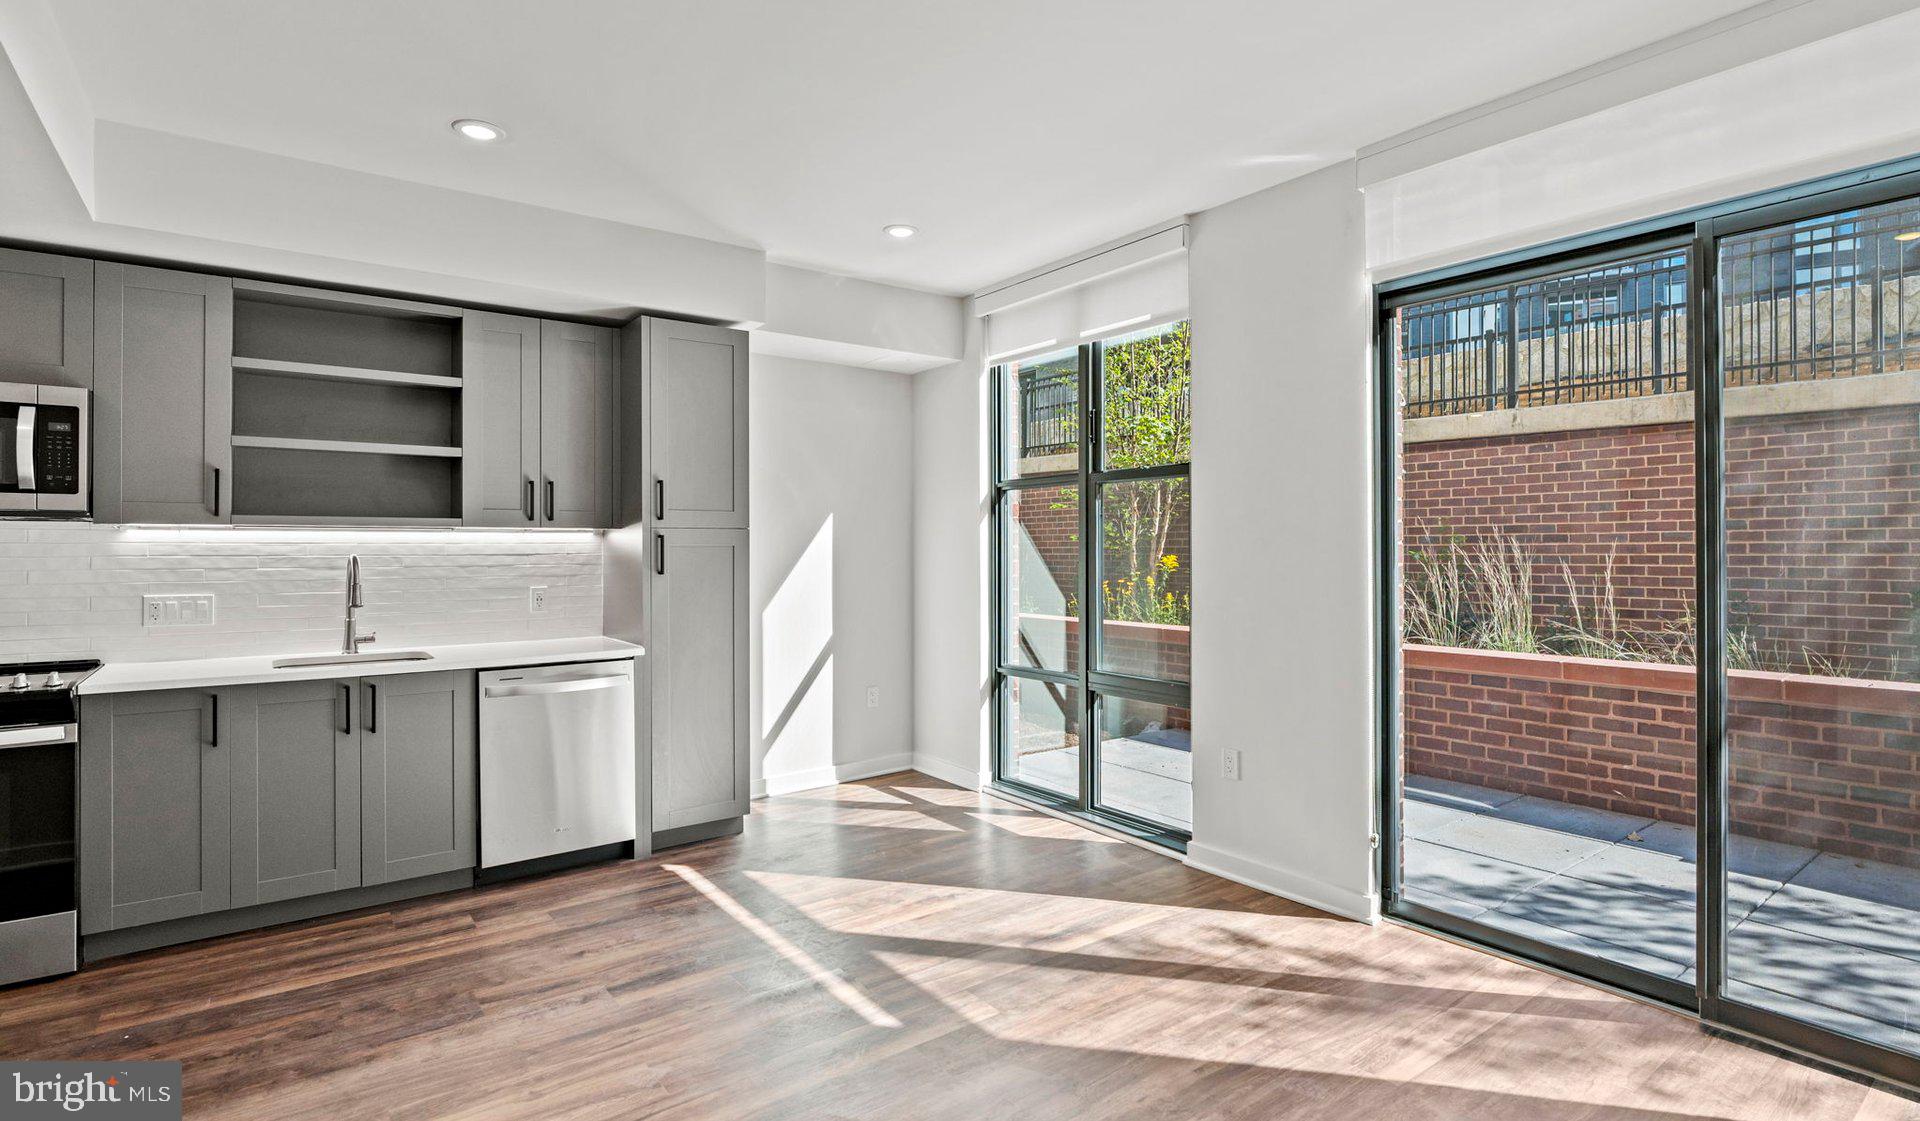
873	696
176	611
537	599
1230	764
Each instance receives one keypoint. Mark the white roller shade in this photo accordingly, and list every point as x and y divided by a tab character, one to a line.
1126	288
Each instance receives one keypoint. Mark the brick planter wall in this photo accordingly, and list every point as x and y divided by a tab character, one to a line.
1823	541
1828	763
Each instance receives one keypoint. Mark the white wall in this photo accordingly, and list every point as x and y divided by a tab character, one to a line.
74	590
832	572
1282	521
950	549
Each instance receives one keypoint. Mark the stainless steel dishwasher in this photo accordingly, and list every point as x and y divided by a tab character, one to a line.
556	760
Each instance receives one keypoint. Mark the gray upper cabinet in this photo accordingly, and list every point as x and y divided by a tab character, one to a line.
163	396
578	384
296	789
418	768
46	319
155	792
500	419
697	430
697	664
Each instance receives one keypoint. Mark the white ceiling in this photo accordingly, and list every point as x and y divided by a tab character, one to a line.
1012	132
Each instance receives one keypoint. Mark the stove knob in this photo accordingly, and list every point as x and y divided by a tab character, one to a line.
19	681
53	680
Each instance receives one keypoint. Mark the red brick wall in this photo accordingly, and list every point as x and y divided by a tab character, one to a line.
1569	496
1821	762
1823	523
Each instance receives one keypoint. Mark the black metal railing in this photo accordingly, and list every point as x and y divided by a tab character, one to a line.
1049	412
1830	297
1614	331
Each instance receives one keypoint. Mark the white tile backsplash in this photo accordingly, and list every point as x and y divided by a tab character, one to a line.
74	590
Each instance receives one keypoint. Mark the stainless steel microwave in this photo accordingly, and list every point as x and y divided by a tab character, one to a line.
44	451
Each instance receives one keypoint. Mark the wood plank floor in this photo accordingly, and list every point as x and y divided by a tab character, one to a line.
897	949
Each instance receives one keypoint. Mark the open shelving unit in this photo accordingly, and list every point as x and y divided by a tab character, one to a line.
346	408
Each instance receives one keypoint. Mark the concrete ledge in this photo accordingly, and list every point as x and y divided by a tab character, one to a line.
1848	694
1868	391
1344	902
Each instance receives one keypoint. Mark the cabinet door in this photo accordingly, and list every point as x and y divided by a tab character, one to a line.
154	803
296	789
417	766
697	661
163	396
46	319
697	434
499	419
578	379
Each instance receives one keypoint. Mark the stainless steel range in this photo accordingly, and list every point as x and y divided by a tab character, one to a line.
39	818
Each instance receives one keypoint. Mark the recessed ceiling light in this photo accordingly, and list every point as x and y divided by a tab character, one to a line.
900	230
1907	235
478	130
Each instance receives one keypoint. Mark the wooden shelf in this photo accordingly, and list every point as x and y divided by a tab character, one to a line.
342	373
353	447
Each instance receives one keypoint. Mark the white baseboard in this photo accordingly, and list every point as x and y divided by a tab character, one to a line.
1344	902
934	767
793	782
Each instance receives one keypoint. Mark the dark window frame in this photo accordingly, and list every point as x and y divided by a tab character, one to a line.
1701	231
1089	478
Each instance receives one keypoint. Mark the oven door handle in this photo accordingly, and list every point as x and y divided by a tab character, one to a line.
23	429
33	737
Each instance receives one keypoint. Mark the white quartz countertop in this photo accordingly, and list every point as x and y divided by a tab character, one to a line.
198	673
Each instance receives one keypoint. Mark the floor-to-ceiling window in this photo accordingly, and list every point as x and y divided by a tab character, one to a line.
1093	577
1653	613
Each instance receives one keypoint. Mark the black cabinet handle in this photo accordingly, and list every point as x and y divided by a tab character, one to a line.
549	499
526	506
373	706
660	554
659	500
214	740
346	708
216	492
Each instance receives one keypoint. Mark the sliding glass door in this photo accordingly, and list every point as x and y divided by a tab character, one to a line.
1545	513
1093	579
1816	770
1652	624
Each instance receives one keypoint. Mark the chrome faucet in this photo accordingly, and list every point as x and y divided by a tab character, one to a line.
355	601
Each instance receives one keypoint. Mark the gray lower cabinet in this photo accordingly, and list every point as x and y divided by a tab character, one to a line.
200	800
296	789
155	807
697	668
46	319
163	396
418	775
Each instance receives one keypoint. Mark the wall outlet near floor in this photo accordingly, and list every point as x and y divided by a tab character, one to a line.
1230	764
176	611
873	696
537	599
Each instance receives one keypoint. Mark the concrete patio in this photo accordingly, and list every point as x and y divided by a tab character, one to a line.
1150	780
1816	936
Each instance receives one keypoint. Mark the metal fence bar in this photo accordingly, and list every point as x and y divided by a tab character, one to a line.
1826	298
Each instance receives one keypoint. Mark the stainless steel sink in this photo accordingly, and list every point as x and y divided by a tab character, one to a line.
352	659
